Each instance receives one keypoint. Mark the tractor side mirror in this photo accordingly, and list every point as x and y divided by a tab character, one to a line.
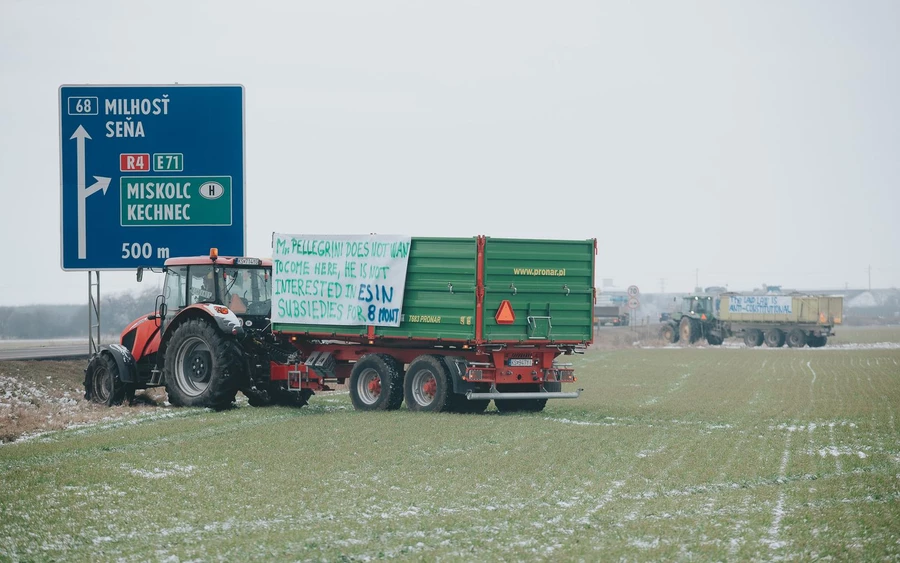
162	310
140	274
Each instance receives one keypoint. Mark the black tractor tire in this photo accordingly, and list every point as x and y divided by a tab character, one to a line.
774	338
524	405
102	384
817	341
376	383
796	338
688	330
714	340
427	386
203	366
668	333
753	338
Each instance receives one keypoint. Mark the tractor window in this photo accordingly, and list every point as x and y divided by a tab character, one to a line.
176	279
202	287
247	290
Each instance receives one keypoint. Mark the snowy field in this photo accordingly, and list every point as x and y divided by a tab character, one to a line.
670	454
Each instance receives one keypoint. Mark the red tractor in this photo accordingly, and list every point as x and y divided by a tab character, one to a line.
208	339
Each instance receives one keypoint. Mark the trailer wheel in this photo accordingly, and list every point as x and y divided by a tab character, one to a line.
774	338
202	366
753	338
427	385
102	383
714	340
668	333
689	330
296	399
796	338
523	405
376	384
817	341
459	404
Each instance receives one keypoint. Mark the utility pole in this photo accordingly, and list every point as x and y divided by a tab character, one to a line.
870	277
662	285
697	278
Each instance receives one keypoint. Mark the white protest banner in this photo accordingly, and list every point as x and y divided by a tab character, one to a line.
339	279
756	304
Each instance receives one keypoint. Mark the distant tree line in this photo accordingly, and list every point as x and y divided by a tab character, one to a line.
71	321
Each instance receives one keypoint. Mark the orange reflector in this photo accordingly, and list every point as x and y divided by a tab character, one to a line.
703	317
505	314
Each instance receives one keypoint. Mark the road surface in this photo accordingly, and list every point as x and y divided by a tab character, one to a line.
37	350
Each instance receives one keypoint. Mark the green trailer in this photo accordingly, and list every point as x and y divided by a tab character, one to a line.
482	319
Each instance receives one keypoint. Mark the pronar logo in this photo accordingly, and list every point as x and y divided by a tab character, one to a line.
211	190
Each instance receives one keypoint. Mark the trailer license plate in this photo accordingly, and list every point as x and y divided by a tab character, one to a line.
520	362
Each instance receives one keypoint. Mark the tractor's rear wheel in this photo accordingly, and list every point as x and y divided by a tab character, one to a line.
427	386
203	366
689	330
376	383
102	383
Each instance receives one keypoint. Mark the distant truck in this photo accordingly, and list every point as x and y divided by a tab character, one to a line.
797	320
482	319
613	315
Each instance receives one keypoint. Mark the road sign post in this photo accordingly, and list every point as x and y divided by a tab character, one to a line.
148	172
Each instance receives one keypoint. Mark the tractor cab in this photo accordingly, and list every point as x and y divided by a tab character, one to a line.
698	307
243	285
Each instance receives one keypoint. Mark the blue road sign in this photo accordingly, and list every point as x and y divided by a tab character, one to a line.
148	172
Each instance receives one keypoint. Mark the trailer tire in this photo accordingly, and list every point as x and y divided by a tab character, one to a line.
817	341
376	384
774	338
753	338
688	330
668	333
714	340
202	366
427	386
102	382
522	405
461	405
297	399
796	338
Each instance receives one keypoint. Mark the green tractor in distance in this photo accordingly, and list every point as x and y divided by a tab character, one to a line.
695	320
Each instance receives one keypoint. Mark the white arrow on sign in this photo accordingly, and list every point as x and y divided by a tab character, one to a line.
102	183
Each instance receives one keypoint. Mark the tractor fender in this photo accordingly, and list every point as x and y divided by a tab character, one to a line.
124	361
222	317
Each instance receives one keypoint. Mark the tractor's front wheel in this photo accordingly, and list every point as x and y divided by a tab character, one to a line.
668	333
203	366
102	382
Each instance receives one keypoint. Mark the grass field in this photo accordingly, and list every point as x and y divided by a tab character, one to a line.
684	454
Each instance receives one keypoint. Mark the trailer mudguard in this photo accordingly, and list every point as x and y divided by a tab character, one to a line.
124	361
456	367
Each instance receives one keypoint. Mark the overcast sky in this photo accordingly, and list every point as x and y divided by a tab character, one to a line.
754	142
